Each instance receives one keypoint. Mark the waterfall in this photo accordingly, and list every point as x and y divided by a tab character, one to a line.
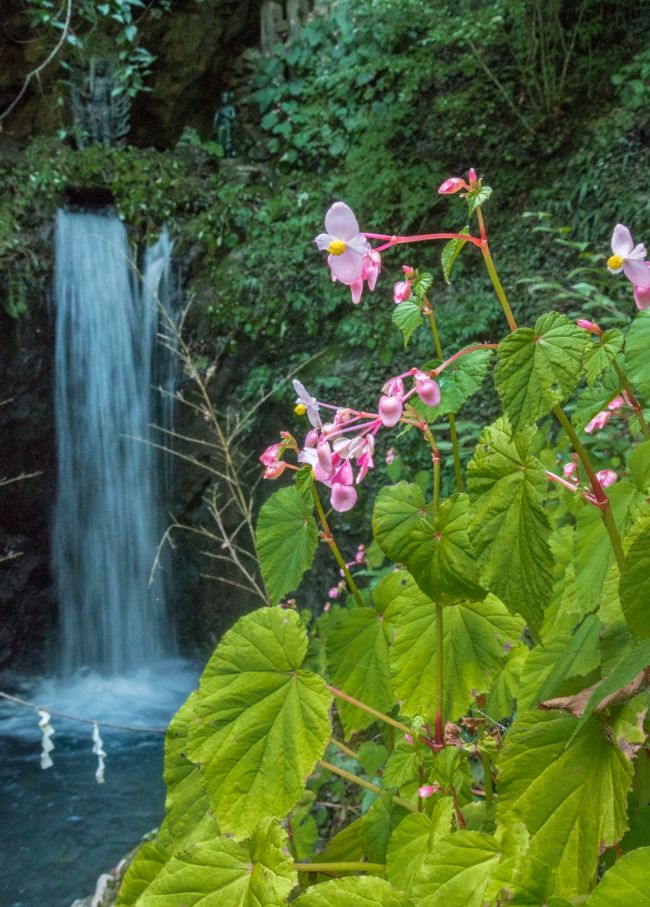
107	522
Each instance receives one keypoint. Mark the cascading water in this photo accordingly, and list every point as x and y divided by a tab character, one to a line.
107	515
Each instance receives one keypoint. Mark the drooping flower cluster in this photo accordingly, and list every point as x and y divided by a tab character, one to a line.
340	452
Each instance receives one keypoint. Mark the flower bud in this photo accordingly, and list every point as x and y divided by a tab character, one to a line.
390	411
427	389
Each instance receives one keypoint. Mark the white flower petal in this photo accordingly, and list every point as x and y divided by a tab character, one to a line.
347	267
341	222
323	240
622	243
637	272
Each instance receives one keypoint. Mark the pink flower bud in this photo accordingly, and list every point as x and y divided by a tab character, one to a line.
270	455
600	420
324	457
327	606
590	326
427	389
333	592
616	403
452	185
427	790
311	439
607	477
401	291
343	497
409	739
394	387
471	175
569	469
390	411
408	271
275	470
390	456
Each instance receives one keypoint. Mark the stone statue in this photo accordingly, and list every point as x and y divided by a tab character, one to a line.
222	124
297	12
273	26
101	114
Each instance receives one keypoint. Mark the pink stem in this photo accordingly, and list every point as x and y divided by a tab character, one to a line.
425	237
468	349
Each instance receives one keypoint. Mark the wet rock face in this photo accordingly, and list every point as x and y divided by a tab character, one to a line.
27	487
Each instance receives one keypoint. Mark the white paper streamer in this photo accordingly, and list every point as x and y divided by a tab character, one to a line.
46	733
99	752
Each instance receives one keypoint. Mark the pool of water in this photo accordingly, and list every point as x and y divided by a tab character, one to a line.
59	828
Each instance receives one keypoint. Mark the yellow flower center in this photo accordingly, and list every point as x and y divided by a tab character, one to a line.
300	409
336	247
615	262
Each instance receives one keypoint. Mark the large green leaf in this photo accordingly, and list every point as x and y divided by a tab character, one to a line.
626	882
628	666
398	509
637	344
509	529
477	636
358	657
188	814
599	355
146	866
416	837
437	550
362	891
224	873
261	722
538	368
457	870
287	538
634	587
571	797
383	817
593	548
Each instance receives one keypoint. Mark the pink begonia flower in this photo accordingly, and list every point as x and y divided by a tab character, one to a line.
343	497
390	456
600	420
310	403
628	258
402	291
275	470
394	387
390	410
606	477
616	403
360	556
333	592
408	271
590	326
455	183
642	294
370	270
409	739
569	469
345	244
270	455
427	389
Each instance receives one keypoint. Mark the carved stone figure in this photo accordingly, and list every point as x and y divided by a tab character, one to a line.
100	113
273	26
222	124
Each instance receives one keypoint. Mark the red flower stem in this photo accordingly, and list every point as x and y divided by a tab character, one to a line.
468	349
424	237
334	548
600	498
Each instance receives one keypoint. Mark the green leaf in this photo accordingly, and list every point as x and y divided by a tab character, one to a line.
538	368
478	197
458	382
593	549
372	756
304	480
571	797
287	538
520	881
224	873
358	655
187	803
627	667
441	557
408	318
599	355
637	344
416	837
476	639
581	655
450	253
148	863
626	882
380	821
639	465
457	871
261	722
509	529
594	399
398	509
362	891
634	586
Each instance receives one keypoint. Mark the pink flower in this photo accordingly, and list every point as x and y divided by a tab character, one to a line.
401	291
616	403
370	270
308	403
427	790
455	183
642	294
606	477
600	420
390	410
569	469
333	592
628	258
360	556
275	470
390	456
345	244
590	326
271	454
343	497
408	271
409	739
427	389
